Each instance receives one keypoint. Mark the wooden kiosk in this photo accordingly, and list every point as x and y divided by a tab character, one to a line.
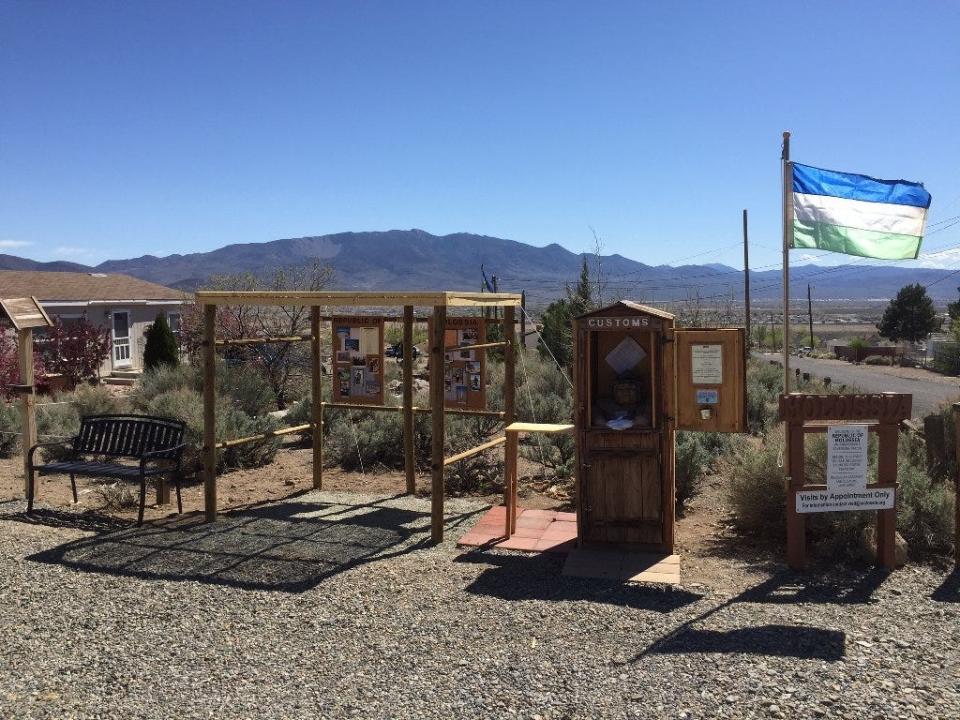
638	380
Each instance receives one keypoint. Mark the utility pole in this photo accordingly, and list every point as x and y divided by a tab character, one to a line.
496	310
810	314
746	277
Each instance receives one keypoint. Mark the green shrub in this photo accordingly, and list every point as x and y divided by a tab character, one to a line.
161	346
925	509
93	400
693	461
57	423
9	430
764	385
755	487
242	385
186	405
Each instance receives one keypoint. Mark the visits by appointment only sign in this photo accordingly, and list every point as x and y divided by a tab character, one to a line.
847	464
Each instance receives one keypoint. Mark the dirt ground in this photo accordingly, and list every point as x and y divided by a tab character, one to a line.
712	554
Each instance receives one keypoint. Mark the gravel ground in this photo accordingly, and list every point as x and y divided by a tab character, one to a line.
331	605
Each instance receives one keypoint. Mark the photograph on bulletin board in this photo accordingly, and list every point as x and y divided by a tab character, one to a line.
358	359
464	375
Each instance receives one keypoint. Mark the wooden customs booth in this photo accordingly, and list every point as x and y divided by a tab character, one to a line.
638	380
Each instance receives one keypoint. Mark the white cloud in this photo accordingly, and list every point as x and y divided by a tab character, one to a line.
938	259
10	244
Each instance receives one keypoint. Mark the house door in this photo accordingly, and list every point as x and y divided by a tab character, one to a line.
121	339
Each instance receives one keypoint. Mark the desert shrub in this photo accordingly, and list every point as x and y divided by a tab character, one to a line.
93	400
925	509
693	461
242	385
232	422
878	360
764	385
755	487
9	430
117	496
57	423
356	439
544	395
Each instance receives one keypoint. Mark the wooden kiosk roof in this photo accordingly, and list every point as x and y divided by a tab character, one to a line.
630	305
349	298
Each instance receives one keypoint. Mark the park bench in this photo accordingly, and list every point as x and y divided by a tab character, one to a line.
157	443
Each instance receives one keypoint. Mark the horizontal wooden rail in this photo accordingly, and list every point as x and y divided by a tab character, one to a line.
263	436
481	346
263	340
474	451
360	406
464	411
448	411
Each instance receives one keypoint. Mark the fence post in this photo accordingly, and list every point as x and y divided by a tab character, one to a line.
438	333
28	410
409	460
209	413
316	397
956	485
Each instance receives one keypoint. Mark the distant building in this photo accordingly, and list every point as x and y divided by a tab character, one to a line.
123	304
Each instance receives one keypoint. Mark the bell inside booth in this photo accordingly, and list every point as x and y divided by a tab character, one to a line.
638	379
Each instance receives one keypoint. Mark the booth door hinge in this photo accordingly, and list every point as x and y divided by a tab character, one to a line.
665	339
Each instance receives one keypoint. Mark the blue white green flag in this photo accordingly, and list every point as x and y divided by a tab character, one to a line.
856	214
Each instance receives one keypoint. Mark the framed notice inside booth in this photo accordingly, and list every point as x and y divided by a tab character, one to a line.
464	370
357	359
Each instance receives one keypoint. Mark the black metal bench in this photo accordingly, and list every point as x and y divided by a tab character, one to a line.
156	442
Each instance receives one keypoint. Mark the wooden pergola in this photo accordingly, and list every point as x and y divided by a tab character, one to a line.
439	301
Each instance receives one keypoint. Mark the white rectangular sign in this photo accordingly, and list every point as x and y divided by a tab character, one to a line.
707	364
847	458
810	501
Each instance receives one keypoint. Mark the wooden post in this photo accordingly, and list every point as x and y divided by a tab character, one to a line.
509	364
316	397
934	439
956	485
796	523
887	437
28	409
509	409
409	460
438	332
209	413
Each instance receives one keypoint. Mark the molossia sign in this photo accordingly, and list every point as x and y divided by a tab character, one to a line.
632	322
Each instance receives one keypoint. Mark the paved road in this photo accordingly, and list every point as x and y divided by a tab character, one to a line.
929	390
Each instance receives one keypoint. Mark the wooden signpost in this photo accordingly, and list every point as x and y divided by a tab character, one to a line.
843	417
25	314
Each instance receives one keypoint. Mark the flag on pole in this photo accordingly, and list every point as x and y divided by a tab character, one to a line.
856	214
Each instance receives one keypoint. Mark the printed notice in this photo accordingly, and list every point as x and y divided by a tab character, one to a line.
811	501
847	458
707	364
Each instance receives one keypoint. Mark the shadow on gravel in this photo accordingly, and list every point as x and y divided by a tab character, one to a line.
949	591
286	546
538	577
807	643
786	587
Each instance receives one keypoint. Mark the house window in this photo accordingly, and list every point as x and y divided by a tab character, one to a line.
175	321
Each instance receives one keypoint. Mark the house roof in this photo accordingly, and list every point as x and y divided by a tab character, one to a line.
50	287
629	304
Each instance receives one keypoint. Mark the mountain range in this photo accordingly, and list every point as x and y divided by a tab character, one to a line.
415	260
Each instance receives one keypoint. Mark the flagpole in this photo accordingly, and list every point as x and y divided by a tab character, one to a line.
787	222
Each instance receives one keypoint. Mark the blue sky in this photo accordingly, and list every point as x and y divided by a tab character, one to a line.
162	127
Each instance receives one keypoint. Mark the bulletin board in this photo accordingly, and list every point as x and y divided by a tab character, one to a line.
357	359
464	370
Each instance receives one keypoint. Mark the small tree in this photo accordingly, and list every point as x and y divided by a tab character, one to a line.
77	350
909	316
161	347
557	332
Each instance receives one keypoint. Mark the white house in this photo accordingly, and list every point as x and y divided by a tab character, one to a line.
123	304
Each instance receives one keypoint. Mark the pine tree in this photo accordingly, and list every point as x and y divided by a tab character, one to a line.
161	348
910	315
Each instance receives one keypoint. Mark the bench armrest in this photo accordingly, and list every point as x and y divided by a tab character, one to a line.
47	444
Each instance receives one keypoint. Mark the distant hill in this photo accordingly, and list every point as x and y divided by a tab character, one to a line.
415	259
12	262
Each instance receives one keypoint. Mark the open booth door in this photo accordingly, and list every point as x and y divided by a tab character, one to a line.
711	380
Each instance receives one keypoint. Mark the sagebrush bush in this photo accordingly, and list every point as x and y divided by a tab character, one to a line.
244	386
186	405
756	492
9	430
93	400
